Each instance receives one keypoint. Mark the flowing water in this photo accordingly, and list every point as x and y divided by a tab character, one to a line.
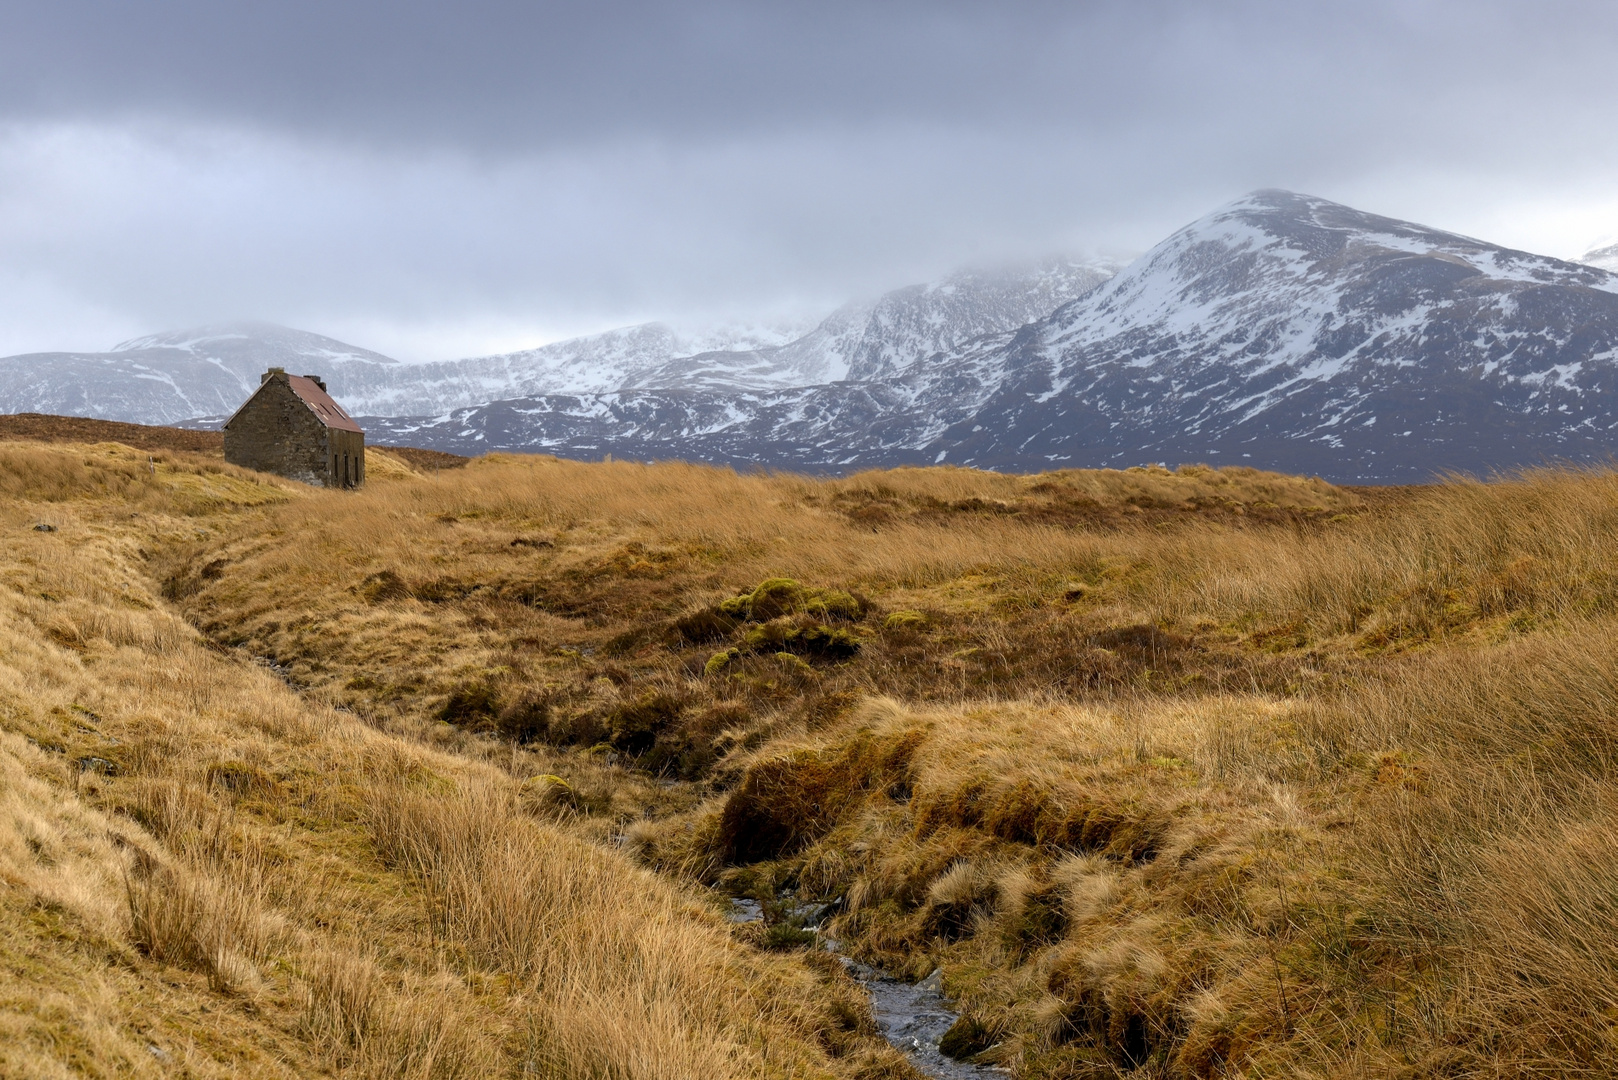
911	1016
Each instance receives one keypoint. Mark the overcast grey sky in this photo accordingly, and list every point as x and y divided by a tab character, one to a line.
437	179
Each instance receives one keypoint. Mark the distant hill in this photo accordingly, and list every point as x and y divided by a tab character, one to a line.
37	427
1606	258
208	372
167	378
1282	331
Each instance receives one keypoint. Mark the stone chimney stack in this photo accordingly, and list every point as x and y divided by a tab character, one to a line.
275	373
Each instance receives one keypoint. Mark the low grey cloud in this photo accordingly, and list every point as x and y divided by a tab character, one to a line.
439	179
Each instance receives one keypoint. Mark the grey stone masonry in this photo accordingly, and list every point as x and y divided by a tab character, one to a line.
292	427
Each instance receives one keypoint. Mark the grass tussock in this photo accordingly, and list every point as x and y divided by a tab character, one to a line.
1375	883
539	598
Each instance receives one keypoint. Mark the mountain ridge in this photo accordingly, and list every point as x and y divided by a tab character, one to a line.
1280	330
170	377
1603	258
205	372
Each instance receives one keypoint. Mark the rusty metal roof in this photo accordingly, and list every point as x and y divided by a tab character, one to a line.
331	414
309	392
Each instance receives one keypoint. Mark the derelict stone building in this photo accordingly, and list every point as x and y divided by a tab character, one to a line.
292	427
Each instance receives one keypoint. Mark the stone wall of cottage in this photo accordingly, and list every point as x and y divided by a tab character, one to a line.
345	457
276	432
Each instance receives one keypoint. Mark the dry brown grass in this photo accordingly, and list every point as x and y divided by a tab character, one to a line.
41	428
1409	878
204	871
1203	773
527	594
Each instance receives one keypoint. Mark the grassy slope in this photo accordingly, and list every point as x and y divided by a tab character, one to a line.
1205	773
204	873
1209	773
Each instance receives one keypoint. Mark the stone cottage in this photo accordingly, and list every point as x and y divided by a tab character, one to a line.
292	427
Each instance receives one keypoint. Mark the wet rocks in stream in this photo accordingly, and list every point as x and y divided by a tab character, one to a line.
915	1017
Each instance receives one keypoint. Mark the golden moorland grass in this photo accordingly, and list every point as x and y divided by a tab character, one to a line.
205	874
1186	773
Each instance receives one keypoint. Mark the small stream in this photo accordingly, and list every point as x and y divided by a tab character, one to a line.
911	1016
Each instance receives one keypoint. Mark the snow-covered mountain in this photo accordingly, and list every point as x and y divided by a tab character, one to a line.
1281	330
167	378
597	363
859	341
207	372
1289	329
1605	258
869	341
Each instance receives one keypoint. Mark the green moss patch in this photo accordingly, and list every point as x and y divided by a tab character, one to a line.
776	597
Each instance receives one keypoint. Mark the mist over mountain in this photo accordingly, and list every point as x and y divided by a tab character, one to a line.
866	342
1604	258
1282	330
172	377
168	378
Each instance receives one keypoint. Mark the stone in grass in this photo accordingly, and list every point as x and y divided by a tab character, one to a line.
44	526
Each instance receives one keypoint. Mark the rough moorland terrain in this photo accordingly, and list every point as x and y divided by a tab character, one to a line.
39	427
204	873
1186	774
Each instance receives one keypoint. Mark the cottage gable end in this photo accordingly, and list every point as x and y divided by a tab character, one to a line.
290	426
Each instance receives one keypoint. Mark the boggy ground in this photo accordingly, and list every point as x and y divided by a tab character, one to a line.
204	873
1192	773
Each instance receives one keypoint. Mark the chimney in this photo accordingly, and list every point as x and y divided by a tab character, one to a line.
272	373
318	381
